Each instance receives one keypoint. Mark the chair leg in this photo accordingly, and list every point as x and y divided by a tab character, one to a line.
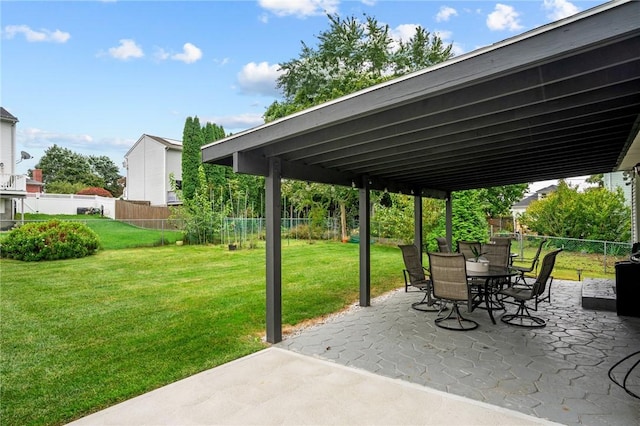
426	304
522	318
455	321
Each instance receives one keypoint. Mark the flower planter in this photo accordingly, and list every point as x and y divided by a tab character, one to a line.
481	266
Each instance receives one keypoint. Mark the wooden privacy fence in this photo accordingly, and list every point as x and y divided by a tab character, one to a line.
142	214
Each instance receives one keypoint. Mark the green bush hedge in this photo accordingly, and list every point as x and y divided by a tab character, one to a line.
50	240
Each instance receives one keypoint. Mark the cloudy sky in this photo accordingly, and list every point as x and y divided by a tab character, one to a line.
93	76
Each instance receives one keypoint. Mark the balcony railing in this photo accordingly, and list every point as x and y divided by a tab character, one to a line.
13	183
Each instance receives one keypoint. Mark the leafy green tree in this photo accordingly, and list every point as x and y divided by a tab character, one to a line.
351	55
597	179
595	214
498	200
64	187
103	167
68	171
201	221
62	164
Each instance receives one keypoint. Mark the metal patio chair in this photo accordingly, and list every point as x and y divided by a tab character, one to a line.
449	278
414	276
443	245
524	270
521	295
467	248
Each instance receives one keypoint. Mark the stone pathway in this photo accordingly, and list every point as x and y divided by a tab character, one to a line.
557	373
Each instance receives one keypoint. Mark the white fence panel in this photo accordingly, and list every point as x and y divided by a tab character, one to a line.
67	204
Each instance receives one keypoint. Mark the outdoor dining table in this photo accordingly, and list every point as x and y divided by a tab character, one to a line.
487	291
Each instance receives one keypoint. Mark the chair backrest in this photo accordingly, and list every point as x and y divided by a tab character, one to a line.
548	262
497	254
501	241
413	262
535	259
449	276
443	245
464	247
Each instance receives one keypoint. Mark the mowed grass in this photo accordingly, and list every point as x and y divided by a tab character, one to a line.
116	235
80	335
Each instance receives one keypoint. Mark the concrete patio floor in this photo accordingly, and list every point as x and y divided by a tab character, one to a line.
559	372
389	364
280	387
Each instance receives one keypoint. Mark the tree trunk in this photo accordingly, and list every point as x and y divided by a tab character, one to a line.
343	220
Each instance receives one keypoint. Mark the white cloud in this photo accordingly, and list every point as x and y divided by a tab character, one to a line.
504	17
37	141
445	13
403	32
37	138
558	9
161	54
259	78
190	54
126	50
300	8
43	35
237	123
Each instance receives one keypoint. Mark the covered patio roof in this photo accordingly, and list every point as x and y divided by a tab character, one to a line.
558	101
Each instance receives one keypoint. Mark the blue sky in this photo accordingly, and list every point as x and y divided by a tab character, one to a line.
93	76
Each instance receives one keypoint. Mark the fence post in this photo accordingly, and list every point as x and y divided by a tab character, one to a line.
605	257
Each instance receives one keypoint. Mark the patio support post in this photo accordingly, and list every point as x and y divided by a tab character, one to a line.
449	221
365	246
274	252
417	223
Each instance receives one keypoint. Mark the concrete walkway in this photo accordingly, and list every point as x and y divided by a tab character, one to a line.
279	387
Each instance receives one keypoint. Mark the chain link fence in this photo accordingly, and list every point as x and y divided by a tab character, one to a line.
591	255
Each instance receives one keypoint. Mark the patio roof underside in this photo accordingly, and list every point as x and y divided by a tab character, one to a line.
560	101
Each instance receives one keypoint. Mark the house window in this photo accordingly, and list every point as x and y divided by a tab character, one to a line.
178	184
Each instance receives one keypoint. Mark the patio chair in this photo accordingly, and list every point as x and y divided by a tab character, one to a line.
522	317
466	248
528	269
449	278
443	245
501	240
414	276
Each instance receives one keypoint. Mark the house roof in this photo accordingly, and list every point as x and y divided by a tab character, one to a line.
524	203
169	143
559	101
6	115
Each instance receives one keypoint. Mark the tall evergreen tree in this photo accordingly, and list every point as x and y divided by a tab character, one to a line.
192	140
216	175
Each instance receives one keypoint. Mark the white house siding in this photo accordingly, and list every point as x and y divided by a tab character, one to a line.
149	163
7	147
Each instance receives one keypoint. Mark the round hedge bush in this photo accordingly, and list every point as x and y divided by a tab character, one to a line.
51	240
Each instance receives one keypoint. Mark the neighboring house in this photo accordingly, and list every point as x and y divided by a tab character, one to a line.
149	163
35	185
521	206
614	180
12	186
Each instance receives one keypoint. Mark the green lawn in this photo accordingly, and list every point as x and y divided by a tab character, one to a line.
117	235
80	335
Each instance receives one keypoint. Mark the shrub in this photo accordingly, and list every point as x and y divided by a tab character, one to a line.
94	190
50	240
